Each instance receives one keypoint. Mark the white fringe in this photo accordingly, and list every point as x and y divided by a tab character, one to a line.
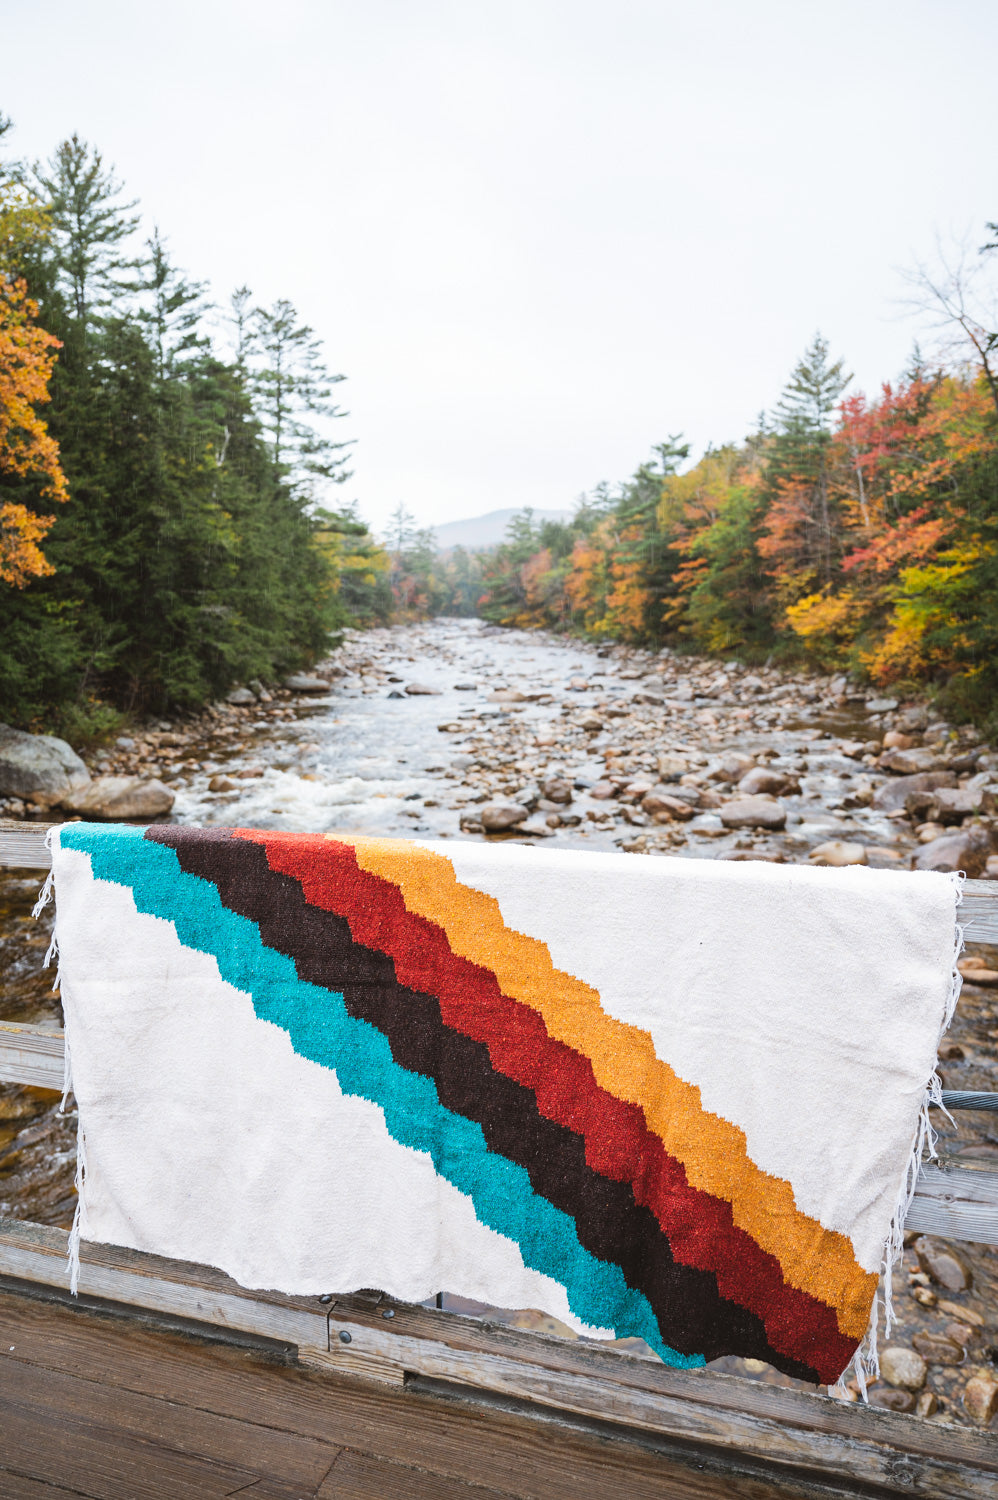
866	1362
45	896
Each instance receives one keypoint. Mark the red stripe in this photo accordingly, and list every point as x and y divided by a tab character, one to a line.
618	1143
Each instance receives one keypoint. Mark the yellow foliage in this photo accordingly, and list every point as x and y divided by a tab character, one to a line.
825	614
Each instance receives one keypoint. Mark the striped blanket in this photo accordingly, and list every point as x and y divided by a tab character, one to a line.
664	1098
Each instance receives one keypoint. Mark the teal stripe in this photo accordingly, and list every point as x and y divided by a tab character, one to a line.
320	1029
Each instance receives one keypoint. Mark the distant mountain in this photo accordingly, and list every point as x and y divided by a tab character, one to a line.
489	530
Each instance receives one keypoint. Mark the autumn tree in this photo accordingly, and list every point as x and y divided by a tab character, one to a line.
31	476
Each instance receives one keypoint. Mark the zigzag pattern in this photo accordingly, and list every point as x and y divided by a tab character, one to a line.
566	1133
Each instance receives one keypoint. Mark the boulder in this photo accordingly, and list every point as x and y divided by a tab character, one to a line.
303	682
894	794
910	762
967	850
837	852
33	764
754	812
496	817
421	690
120	798
240	697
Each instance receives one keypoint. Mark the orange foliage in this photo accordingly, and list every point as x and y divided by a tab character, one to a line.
27	356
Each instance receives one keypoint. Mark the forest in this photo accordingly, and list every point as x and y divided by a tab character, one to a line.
167	467
854	534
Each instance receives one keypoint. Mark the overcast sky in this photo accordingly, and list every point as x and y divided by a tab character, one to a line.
536	235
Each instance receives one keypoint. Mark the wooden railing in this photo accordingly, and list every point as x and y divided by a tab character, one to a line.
958	1202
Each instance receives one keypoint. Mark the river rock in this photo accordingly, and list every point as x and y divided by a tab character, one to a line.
952	804
761	779
943	1264
38	763
240	697
937	1349
602	791
910	762
503	695
893	795
496	817
733	767
303	682
557	790
754	812
663	807
591	723
671	766
976	971
967	850
421	690
837	852
903	1367
881	705
892	1399
894	739
465	687
980	1398
120	798
222	784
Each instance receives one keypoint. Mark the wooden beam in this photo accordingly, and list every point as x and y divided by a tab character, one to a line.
32	1055
22	846
367	1336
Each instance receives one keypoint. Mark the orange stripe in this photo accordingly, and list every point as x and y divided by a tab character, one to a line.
713	1151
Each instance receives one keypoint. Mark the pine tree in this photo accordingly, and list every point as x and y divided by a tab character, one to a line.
291	389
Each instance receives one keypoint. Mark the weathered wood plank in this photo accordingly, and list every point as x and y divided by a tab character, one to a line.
957	1202
467	1446
32	1055
721	1413
22	845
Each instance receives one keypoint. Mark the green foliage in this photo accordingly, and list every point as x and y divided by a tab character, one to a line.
193	551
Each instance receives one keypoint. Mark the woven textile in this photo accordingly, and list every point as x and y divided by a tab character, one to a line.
668	1098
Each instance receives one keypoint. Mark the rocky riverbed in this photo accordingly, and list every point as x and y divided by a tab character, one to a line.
459	730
